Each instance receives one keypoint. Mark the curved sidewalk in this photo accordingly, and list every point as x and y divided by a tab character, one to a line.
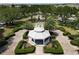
65	43
15	39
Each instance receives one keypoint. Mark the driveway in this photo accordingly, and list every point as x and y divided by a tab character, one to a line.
65	43
13	41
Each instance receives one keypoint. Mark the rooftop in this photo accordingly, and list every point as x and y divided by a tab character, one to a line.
39	33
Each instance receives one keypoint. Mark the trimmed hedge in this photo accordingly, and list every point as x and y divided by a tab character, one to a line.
73	37
61	28
19	50
25	35
55	49
66	34
75	42
17	29
9	35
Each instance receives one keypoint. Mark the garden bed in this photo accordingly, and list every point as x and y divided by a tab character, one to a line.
24	48
53	34
75	42
54	47
25	36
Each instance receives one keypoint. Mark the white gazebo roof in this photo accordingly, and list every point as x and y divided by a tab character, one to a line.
38	29
39	33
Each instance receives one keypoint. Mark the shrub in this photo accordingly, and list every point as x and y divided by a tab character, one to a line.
62	29
49	24
17	29
55	49
1	30
72	37
1	33
75	42
66	34
9	35
20	50
53	34
25	35
28	25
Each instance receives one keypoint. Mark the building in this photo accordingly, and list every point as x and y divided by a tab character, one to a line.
39	36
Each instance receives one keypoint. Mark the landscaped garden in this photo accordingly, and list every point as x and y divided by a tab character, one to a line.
22	17
25	36
53	47
24	47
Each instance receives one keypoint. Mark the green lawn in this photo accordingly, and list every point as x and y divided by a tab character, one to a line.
7	31
71	30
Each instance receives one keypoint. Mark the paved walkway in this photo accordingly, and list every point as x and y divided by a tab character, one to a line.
39	50
65	43
15	39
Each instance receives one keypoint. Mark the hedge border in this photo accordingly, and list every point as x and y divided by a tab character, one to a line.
54	50
18	49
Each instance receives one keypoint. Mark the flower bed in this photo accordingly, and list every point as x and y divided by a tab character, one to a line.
21	49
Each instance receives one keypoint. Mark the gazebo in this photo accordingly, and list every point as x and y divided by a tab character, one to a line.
39	36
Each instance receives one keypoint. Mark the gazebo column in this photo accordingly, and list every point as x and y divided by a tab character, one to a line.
43	41
34	40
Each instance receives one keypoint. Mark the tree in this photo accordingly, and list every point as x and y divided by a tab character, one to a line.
49	24
45	9
33	9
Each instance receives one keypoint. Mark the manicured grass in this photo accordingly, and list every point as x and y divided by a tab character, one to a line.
7	31
54	47
70	30
23	48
